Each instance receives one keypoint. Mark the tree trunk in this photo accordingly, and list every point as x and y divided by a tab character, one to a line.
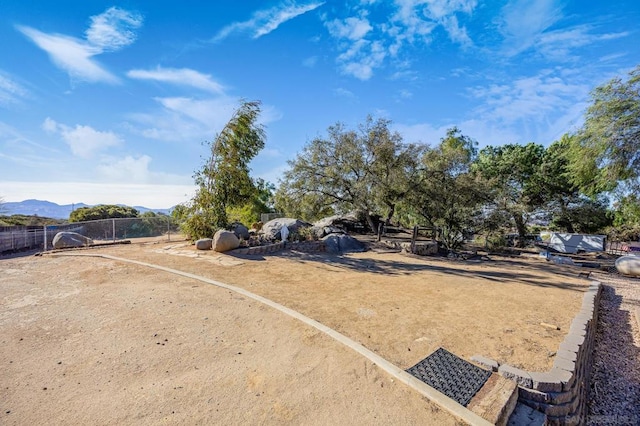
521	228
392	210
371	224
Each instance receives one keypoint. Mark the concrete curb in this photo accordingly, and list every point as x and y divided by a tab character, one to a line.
399	374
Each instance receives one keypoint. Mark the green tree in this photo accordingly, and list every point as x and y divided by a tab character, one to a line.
224	180
627	211
261	202
447	194
513	174
368	170
102	211
606	152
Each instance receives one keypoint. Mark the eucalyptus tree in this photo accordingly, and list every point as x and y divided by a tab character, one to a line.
606	152
224	179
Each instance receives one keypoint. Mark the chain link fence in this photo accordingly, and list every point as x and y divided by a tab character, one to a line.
18	238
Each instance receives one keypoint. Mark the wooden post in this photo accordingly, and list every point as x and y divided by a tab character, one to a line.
380	227
414	237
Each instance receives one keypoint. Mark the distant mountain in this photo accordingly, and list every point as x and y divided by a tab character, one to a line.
55	211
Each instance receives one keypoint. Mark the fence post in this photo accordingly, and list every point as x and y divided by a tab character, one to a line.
44	227
113	229
414	237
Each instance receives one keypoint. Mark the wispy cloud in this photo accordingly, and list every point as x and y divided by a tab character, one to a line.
11	92
365	46
108	32
352	28
84	141
190	120
534	25
182	77
265	21
523	21
537	108
113	29
558	45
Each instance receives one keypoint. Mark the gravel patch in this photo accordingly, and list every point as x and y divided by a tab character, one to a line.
615	378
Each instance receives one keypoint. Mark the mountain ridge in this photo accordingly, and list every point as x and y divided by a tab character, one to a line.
52	210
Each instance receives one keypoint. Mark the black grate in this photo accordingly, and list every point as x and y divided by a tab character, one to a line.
453	376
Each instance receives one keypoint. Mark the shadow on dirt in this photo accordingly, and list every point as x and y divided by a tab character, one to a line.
464	268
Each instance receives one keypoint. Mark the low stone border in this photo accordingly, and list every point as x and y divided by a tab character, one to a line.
303	246
562	392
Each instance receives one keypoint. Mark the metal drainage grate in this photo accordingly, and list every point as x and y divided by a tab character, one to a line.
451	375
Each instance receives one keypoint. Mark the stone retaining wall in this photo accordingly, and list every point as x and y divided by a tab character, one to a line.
562	392
303	246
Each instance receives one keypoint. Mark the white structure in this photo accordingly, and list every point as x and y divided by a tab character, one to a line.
572	243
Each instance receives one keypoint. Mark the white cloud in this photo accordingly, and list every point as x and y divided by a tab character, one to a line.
535	98
364	46
265	21
136	169
113	29
185	119
128	169
84	141
351	28
10	91
538	108
528	25
72	55
181	76
109	31
559	44
522	22
361	58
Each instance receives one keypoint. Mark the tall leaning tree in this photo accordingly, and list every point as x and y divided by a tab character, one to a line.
606	153
224	180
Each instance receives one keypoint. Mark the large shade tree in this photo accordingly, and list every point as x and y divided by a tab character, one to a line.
224	180
447	194
369	170
513	174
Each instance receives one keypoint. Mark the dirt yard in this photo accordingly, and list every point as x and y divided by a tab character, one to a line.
92	340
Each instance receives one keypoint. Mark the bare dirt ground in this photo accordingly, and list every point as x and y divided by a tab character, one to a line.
91	340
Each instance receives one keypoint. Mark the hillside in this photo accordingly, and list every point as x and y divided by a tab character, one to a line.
53	210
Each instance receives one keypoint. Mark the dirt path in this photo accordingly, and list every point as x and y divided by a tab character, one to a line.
95	341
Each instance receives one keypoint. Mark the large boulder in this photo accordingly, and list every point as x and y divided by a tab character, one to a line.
271	229
342	243
322	231
225	241
629	265
204	244
339	220
240	230
70	240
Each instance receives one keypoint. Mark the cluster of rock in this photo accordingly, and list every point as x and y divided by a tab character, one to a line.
330	230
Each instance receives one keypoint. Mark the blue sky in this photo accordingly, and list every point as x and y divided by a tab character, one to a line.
104	102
